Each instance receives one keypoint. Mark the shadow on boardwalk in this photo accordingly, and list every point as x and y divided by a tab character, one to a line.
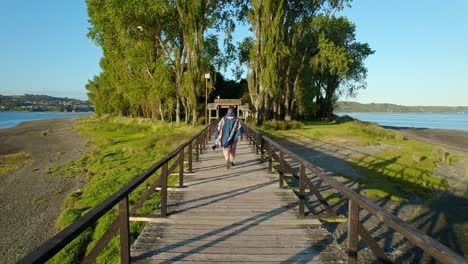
443	217
236	215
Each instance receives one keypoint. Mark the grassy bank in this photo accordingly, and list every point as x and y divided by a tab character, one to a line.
393	166
122	149
14	161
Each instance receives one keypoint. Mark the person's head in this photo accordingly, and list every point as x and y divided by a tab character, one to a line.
231	109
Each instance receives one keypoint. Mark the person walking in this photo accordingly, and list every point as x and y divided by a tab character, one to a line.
227	133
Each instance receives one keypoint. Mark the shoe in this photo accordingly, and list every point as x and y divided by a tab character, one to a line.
232	164
228	164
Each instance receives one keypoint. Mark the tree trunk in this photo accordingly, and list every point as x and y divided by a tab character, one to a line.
160	110
194	117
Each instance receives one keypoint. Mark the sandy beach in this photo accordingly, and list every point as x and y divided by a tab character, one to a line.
31	200
447	138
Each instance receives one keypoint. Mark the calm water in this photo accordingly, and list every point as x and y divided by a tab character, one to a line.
457	121
11	119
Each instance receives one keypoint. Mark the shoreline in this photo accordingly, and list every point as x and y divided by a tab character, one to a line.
48	116
31	197
447	138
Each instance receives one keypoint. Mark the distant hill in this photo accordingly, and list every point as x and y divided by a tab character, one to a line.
43	103
346	106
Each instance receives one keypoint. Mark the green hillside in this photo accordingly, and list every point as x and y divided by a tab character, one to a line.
346	106
40	103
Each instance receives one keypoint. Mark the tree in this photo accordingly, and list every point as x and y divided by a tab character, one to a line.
339	65
301	53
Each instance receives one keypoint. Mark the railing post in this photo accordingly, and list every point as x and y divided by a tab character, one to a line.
353	221
270	157
262	142
256	144
190	157
164	190
200	144
181	168
124	231
281	170
302	176
197	149
205	139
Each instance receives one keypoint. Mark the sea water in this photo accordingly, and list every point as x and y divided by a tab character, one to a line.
11	119
458	121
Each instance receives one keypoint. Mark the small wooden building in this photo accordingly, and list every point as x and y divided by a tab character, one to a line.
219	108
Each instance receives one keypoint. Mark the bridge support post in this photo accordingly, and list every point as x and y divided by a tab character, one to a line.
205	139
190	153
197	150
270	157
302	176
256	143
181	168
262	143
353	229
281	170
201	138
124	231
164	190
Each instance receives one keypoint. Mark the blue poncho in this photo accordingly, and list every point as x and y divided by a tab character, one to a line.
228	130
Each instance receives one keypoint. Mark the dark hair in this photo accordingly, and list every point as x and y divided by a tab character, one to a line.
231	108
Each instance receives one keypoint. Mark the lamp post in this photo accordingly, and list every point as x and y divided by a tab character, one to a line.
207	77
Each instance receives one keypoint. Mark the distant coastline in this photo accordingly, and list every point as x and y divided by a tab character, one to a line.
42	103
348	106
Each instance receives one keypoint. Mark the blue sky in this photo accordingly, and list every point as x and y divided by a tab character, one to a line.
421	49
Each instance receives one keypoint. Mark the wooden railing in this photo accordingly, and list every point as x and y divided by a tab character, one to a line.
276	152
64	237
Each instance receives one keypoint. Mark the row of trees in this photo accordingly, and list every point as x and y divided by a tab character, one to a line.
299	61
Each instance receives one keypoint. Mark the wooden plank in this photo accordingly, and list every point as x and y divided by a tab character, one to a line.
227	257
237	250
303	222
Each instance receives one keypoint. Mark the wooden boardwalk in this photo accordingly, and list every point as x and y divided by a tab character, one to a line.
236	215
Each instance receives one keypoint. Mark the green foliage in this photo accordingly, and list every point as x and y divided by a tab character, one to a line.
201	120
75	251
155	54
67	217
282	125
14	161
302	58
123	148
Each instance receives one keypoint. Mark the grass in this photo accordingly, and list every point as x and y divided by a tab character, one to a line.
122	148
14	161
399	169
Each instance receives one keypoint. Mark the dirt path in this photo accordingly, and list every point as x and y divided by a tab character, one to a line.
30	199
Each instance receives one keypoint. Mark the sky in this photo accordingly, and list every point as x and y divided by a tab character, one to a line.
421	49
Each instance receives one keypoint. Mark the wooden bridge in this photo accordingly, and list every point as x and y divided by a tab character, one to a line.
235	215
243	214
